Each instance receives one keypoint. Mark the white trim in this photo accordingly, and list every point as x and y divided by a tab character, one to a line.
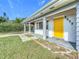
38	31
58	17
62	10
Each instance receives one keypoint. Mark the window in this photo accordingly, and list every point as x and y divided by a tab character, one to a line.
47	25
37	25
40	25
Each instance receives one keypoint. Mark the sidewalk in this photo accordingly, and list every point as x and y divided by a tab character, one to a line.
7	35
24	37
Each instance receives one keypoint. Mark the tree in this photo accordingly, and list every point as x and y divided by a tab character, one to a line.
2	19
4	14
19	20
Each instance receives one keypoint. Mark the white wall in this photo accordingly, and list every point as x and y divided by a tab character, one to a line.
39	31
49	32
69	29
50	28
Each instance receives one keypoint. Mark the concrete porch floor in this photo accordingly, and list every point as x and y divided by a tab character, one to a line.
62	43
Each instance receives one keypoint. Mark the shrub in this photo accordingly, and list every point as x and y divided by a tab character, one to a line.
11	27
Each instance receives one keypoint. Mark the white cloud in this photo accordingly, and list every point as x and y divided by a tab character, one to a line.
41	2
10	3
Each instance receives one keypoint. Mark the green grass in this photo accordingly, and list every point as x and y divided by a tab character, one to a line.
14	48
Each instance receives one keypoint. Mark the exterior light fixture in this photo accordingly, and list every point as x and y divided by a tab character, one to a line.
69	20
72	23
65	16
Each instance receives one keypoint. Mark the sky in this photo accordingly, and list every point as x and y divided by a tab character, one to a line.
20	8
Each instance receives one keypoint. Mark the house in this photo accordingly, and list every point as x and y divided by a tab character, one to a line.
58	19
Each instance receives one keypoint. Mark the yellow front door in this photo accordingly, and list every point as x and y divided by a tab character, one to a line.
59	27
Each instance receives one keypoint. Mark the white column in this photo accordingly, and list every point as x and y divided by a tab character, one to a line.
29	27
44	28
24	27
77	27
35	26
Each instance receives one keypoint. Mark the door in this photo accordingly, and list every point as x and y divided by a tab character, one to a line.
59	27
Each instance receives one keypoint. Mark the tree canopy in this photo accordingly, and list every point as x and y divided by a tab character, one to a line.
4	18
19	20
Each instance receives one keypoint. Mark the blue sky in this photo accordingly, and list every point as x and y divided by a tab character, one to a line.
20	8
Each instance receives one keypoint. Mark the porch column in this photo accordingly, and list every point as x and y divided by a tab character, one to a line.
24	28
29	27
77	26
35	26
44	28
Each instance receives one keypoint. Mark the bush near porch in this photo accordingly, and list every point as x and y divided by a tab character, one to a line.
11	27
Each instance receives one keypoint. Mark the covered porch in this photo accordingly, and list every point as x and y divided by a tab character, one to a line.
37	27
61	25
44	25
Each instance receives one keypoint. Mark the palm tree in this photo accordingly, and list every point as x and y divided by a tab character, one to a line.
4	14
4	18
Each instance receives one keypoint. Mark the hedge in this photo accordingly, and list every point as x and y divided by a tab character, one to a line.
11	27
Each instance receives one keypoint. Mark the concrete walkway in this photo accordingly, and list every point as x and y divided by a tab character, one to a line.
7	35
61	43
22	36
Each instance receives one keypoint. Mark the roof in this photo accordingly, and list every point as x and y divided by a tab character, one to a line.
52	5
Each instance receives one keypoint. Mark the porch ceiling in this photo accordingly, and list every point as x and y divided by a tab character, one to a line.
65	13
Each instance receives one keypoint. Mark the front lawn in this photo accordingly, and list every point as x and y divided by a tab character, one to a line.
14	48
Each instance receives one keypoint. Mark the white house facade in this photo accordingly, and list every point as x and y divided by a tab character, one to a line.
58	19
